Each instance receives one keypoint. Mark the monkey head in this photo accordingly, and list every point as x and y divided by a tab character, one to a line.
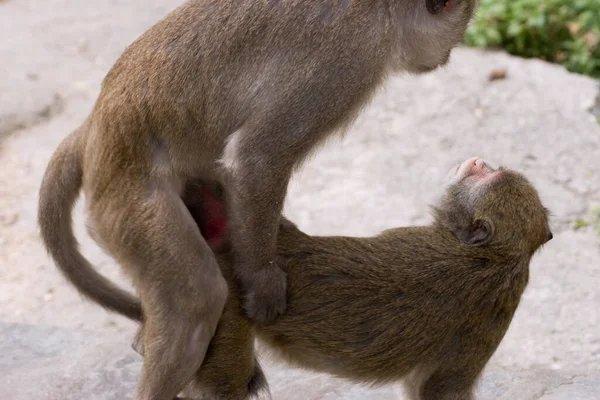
428	31
496	208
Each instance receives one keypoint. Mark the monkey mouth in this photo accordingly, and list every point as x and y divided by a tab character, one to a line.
473	167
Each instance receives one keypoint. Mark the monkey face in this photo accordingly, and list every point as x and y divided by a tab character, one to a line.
429	30
476	174
495	207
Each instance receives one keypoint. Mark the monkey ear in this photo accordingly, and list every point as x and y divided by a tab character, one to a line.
435	6
478	234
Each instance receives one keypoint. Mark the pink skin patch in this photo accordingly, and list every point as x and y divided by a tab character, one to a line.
474	168
215	220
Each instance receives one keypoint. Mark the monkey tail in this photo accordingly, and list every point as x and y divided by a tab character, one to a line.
58	192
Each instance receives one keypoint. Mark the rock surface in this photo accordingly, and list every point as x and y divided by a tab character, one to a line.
383	173
68	364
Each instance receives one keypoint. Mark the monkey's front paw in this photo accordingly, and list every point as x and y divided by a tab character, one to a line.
266	294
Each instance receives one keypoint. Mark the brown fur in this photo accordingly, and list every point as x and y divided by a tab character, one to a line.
429	304
235	91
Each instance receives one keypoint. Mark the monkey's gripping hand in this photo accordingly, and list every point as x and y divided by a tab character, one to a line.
266	293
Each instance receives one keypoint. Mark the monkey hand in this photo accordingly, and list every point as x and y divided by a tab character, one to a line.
266	293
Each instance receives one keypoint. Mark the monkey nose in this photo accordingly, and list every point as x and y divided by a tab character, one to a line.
472	166
473	162
480	167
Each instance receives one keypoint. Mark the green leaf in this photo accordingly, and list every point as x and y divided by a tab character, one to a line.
548	29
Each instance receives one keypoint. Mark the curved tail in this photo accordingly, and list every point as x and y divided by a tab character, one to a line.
58	193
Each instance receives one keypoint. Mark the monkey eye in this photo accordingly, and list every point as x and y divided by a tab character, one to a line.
436	6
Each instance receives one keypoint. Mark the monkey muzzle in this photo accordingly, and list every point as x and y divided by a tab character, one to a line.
474	166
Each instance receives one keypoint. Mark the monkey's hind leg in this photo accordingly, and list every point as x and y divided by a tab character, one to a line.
231	370
243	381
179	283
452	379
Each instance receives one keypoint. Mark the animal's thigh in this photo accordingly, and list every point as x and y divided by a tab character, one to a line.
181	288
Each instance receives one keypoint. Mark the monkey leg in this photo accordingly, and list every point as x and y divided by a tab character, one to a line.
177	278
241	381
255	196
257	180
260	157
454	377
230	370
448	385
460	365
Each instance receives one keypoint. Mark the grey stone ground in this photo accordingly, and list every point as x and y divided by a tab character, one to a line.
53	55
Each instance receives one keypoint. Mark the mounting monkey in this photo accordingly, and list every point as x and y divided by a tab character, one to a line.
429	304
236	91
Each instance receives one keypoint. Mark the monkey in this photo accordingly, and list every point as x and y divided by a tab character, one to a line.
428	305
239	92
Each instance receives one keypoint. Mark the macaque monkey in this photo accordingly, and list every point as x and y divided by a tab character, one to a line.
233	91
428	304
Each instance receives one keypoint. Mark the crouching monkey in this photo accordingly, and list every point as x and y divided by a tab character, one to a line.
429	304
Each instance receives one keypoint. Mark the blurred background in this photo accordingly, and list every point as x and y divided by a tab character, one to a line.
566	32
522	92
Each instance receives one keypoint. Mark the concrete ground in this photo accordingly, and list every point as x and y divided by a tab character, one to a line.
383	173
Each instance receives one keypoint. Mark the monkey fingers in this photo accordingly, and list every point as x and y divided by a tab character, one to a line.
266	293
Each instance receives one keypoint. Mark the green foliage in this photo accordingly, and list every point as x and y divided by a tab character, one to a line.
560	31
593	220
581	223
